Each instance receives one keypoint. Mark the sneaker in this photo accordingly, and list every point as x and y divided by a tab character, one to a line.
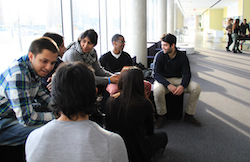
239	51
192	120
160	121
228	49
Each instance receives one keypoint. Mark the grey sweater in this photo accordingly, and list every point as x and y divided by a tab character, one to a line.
74	141
75	53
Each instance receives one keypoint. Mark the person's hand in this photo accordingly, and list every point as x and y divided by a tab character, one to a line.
179	90
49	86
172	88
114	79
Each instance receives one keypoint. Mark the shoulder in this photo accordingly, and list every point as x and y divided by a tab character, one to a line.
105	55
126	54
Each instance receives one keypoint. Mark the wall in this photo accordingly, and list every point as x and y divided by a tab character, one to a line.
216	17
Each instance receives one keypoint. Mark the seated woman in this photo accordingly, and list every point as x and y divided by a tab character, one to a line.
73	137
130	114
83	50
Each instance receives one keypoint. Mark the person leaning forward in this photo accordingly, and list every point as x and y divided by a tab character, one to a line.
21	93
172	74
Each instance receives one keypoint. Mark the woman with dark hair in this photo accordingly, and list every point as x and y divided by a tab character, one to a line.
83	50
130	114
235	36
73	137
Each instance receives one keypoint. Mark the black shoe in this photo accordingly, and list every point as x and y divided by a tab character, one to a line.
161	120
192	120
234	51
227	49
239	51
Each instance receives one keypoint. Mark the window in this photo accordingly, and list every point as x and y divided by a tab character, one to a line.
23	21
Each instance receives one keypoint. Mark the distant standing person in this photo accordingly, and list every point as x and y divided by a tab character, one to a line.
229	34
235	36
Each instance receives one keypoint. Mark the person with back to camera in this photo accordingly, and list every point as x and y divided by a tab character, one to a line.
46	81
130	114
171	72
235	36
73	137
229	34
83	50
20	86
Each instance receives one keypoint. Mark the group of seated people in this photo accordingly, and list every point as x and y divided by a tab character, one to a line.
48	96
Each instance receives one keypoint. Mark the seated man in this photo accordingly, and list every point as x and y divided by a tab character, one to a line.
114	60
21	92
172	74
73	137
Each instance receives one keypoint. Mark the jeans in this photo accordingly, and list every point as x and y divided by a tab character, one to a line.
236	42
230	40
12	133
160	91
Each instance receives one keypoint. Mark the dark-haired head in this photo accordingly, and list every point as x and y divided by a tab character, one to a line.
73	89
56	37
169	38
131	83
38	45
91	34
116	37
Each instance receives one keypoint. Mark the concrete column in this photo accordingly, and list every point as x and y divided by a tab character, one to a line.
162	17
170	16
136	29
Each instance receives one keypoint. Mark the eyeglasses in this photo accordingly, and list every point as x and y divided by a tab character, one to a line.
123	42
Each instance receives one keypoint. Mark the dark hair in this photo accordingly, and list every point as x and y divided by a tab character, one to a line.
73	89
169	38
116	37
56	37
91	34
38	45
131	87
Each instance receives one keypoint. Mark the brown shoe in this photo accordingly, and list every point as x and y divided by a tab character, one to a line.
161	120
190	119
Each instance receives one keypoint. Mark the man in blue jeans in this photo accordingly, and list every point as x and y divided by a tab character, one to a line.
172	75
21	93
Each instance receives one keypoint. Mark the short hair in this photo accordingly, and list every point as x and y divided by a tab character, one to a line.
73	89
169	38
56	37
91	34
38	45
116	37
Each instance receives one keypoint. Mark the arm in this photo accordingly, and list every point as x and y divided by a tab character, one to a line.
20	93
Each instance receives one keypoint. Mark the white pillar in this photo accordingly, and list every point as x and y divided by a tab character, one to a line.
170	16
162	17
136	29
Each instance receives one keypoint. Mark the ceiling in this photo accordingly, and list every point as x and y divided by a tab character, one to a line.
197	7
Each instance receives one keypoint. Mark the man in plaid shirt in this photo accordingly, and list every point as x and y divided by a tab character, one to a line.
21	90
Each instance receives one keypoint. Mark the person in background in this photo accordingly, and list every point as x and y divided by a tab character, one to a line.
21	91
83	50
46	81
130	114
73	137
172	75
116	59
229	33
235	36
243	30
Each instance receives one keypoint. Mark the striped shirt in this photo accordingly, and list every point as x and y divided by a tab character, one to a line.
19	86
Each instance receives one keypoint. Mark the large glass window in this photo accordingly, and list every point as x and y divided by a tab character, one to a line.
23	21
113	20
86	16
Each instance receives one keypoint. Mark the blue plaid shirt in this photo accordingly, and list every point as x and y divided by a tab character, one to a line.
19	86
